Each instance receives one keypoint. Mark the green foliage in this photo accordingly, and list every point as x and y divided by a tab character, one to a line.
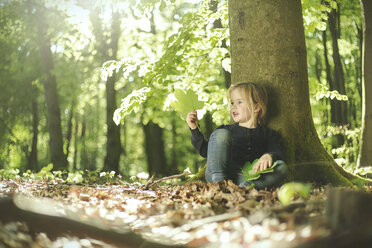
191	59
292	189
364	171
131	103
45	172
250	174
9	174
347	154
78	176
315	14
186	102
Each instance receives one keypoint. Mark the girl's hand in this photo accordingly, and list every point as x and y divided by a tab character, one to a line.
192	119
264	162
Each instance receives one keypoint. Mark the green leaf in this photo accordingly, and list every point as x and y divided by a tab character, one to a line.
289	190
186	102
333	4
250	174
47	168
131	103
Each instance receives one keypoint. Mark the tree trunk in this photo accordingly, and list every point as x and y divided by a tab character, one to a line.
154	147
213	5
76	140
365	154
83	153
174	160
32	158
58	157
328	74
359	66
69	130
154	142
318	74
268	47
340	117
113	131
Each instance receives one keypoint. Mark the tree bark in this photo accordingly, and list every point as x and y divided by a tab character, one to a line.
318	74
213	5
328	74
113	152
58	157
76	141
154	141
268	47
154	147
174	159
69	130
32	158
83	151
365	154
340	114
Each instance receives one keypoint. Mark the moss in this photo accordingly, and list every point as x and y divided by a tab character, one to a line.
199	176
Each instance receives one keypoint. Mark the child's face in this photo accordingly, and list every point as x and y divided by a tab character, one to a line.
239	109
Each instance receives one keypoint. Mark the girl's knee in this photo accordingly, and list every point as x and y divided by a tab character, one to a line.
221	136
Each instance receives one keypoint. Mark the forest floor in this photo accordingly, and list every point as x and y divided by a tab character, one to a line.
190	215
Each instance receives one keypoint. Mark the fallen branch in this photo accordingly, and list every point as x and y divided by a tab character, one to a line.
149	184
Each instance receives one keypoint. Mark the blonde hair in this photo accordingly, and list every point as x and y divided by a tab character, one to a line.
254	94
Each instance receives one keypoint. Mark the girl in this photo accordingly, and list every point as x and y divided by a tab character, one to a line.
231	146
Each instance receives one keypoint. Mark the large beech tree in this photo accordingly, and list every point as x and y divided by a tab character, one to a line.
268	47
365	155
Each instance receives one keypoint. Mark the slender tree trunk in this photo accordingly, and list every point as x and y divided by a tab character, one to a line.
339	80
154	141
268	47
69	130
328	74
365	154
32	159
213	5
51	97
113	152
76	144
318	74
83	154
359	66
154	147
174	159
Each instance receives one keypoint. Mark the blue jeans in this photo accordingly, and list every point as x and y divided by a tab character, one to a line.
221	166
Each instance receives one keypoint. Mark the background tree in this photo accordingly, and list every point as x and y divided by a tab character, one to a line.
365	155
107	48
57	155
321	75
338	108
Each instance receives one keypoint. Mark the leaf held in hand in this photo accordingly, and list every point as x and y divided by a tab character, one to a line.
289	190
250	174
186	102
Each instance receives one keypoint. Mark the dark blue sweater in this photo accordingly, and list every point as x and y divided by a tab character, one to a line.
248	144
